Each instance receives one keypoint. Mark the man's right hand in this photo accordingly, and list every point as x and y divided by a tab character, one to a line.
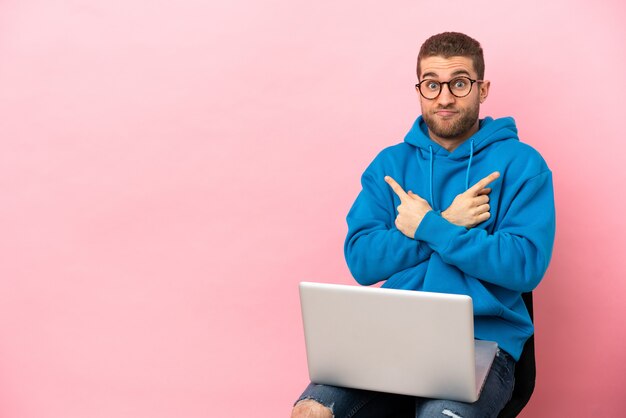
471	207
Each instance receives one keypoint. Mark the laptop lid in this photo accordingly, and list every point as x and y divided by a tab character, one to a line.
397	341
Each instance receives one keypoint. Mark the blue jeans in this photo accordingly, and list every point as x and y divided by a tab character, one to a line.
356	403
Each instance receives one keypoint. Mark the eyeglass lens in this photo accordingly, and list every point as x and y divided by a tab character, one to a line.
460	87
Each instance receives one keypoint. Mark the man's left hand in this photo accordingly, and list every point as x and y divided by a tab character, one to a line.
411	211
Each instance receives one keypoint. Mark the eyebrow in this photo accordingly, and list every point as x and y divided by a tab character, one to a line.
454	74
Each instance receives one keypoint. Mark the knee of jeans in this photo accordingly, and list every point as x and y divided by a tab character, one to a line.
311	408
448	413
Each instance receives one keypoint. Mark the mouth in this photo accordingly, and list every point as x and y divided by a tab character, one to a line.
445	113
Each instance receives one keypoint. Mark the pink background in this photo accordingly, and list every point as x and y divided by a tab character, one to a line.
171	170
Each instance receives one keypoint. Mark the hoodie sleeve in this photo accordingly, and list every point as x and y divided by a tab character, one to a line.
516	255
374	248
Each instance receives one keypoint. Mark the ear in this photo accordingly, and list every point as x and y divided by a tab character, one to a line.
484	90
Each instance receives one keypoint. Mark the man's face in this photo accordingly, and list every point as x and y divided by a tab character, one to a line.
451	119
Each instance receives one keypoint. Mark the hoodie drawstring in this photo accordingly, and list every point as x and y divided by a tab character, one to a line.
432	201
467	172
469	165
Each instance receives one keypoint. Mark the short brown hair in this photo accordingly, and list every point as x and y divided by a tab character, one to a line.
453	44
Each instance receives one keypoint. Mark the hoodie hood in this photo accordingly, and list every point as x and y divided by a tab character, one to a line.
489	132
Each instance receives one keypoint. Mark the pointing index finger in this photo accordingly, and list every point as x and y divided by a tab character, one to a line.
397	189
482	183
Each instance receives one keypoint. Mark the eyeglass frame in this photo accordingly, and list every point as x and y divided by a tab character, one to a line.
441	83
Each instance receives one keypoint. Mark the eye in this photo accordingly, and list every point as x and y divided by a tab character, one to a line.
459	83
432	85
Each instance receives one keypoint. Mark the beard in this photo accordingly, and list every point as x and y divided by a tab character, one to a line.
450	129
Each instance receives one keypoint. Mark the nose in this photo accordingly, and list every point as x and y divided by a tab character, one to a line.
445	96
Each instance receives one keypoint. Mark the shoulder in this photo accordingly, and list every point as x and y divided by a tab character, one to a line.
520	157
392	156
395	151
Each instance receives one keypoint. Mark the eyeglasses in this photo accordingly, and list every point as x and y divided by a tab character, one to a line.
459	87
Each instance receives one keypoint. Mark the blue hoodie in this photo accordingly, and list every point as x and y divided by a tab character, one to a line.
493	262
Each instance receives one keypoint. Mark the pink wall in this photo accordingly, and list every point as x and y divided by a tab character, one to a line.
171	171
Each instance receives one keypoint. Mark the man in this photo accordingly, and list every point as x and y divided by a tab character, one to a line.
461	206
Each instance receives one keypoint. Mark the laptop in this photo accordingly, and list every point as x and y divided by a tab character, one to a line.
396	341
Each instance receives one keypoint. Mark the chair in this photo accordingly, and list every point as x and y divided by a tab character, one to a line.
525	372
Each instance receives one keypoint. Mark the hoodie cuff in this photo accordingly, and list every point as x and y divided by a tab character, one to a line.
436	231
